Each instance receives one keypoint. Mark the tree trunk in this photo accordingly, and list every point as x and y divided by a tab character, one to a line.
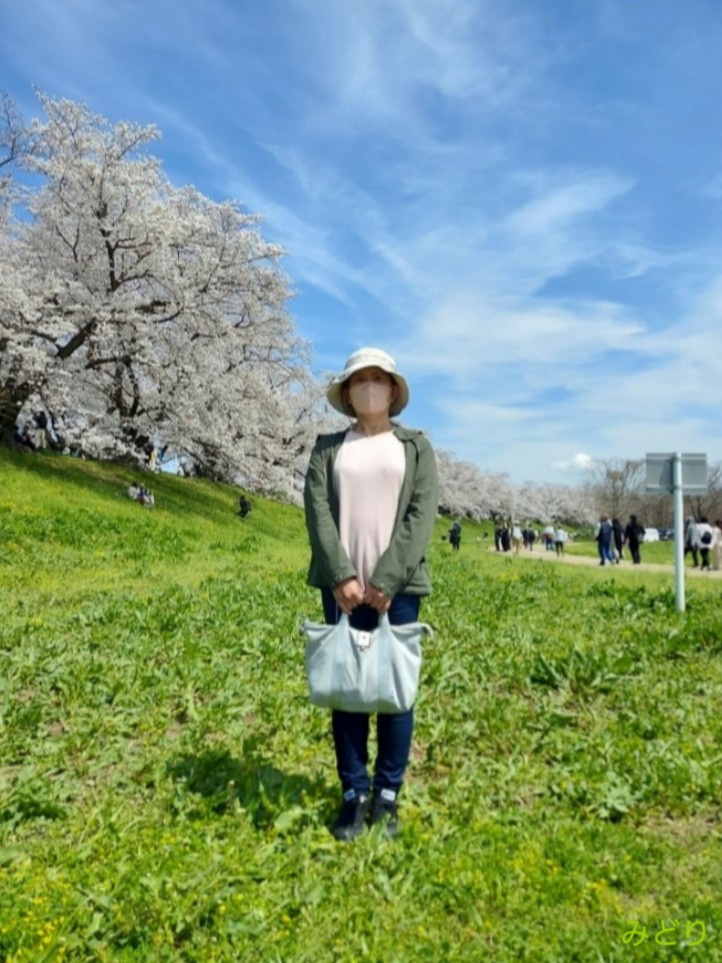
12	398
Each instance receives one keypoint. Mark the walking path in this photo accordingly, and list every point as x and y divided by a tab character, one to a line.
569	559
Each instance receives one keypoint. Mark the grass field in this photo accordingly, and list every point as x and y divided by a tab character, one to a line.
166	789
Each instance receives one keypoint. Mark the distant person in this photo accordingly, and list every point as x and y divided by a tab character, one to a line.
691	540
41	431
706	538
530	538
455	535
548	538
517	539
26	438
134	491
497	537
505	538
244	507
560	540
716	544
634	533
146	497
618	538
605	541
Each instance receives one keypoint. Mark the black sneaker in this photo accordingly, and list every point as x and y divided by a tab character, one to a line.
351	819
385	811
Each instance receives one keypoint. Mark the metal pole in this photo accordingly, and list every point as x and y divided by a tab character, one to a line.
678	503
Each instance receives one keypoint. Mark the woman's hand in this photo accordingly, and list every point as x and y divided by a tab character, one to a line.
348	595
377	599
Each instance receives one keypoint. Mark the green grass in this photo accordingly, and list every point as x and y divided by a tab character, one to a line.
166	789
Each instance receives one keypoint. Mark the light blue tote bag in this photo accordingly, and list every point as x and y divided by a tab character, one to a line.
359	671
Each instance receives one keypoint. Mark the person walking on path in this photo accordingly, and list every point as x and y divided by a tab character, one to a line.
371	499
605	534
706	539
618	538
560	540
455	535
716	547
691	540
633	534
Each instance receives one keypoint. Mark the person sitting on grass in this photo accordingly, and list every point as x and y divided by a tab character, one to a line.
145	496
244	507
23	439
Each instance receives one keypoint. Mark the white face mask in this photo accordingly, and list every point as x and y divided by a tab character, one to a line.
370	397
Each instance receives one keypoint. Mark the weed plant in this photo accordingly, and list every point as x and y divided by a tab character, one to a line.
166	789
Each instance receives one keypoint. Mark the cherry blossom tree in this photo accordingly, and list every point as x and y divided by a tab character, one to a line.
137	312
550	502
467	490
464	489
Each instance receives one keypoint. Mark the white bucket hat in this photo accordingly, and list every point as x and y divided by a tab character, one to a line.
368	358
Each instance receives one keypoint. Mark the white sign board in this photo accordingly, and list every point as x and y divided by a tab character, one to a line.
660	473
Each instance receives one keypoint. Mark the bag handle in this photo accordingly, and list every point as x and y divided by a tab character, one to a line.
345	620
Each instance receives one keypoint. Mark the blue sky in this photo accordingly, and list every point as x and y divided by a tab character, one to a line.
521	200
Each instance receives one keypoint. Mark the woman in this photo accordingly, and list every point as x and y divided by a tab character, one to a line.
371	498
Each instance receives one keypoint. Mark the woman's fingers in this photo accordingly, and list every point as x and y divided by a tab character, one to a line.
348	595
377	599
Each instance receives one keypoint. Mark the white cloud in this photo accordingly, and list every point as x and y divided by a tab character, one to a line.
578	463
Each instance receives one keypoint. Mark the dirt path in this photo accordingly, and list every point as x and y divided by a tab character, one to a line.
541	555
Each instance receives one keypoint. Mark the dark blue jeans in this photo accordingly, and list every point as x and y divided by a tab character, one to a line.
351	729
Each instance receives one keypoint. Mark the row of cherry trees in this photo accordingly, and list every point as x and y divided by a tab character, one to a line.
135	312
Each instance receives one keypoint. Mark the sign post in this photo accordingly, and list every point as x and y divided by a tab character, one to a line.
681	475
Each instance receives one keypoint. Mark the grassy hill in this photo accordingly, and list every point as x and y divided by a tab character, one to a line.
166	789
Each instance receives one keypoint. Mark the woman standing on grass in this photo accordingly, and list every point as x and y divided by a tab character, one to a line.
371	498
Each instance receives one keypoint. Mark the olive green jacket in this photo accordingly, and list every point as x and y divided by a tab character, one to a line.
402	567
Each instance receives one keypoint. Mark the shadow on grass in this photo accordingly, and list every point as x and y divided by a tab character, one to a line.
265	792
